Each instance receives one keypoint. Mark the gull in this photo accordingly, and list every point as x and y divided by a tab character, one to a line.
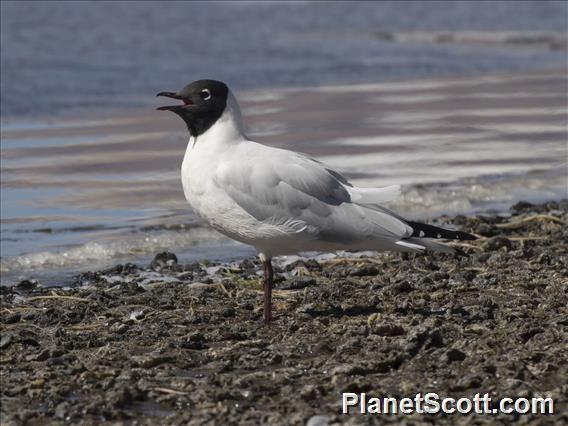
279	201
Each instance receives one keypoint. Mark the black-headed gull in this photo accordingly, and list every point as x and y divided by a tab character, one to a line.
281	202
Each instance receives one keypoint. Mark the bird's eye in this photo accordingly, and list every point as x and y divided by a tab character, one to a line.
205	94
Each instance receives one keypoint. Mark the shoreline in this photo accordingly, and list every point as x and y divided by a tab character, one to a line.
456	145
216	250
184	343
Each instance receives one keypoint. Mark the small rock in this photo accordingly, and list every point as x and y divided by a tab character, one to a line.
522	206
438	276
377	285
194	340
308	393
403	287
364	271
119	328
318	420
42	356
309	264
27	285
12	318
129	268
469	275
5	341
388	330
30	341
228	312
164	260
121	395
459	310
544	258
487	230
454	355
86	278
297	283
424	337
62	409
131	288
137	315
113	271
247	265
496	243
436	339
129	375
467	382
149	361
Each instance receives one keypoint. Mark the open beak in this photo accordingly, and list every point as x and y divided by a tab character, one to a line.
174	108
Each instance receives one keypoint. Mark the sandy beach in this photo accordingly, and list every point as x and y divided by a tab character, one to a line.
183	343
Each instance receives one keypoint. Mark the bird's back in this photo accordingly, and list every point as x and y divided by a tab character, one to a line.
281	201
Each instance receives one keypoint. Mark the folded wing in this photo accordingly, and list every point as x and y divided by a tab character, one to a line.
302	195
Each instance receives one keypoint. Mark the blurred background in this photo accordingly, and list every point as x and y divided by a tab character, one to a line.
61	57
464	103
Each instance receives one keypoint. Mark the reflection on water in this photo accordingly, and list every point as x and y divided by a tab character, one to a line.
93	192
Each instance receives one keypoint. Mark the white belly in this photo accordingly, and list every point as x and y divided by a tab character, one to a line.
209	202
218	209
223	214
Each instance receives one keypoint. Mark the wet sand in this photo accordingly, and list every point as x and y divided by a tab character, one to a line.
175	343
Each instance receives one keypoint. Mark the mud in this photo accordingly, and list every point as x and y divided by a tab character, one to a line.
173	343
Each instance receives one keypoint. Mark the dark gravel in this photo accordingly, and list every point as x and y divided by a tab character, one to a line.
184	344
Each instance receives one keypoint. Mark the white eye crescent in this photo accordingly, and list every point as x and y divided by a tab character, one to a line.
205	94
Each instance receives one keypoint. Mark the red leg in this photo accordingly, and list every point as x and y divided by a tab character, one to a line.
268	280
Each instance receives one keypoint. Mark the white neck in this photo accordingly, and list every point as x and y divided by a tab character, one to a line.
228	128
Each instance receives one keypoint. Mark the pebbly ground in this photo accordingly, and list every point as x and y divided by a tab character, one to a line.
185	344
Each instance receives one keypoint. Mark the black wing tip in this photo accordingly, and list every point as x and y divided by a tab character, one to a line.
466	236
460	235
423	230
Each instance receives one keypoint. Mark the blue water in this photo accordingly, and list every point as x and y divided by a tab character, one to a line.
74	57
62	61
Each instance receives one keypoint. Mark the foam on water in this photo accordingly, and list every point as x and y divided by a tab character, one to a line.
457	196
494	193
195	243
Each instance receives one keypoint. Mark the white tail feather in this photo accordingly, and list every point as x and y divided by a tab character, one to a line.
422	244
414	247
373	195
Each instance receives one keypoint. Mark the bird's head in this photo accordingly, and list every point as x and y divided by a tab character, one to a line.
203	103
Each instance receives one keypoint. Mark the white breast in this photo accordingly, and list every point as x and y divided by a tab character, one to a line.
210	201
204	156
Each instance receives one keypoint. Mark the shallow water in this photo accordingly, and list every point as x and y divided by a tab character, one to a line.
90	172
84	194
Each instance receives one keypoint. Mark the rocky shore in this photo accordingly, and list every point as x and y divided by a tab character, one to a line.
173	343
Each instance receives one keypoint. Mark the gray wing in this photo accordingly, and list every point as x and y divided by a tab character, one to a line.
285	188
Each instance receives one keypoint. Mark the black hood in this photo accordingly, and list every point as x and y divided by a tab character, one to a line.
203	103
